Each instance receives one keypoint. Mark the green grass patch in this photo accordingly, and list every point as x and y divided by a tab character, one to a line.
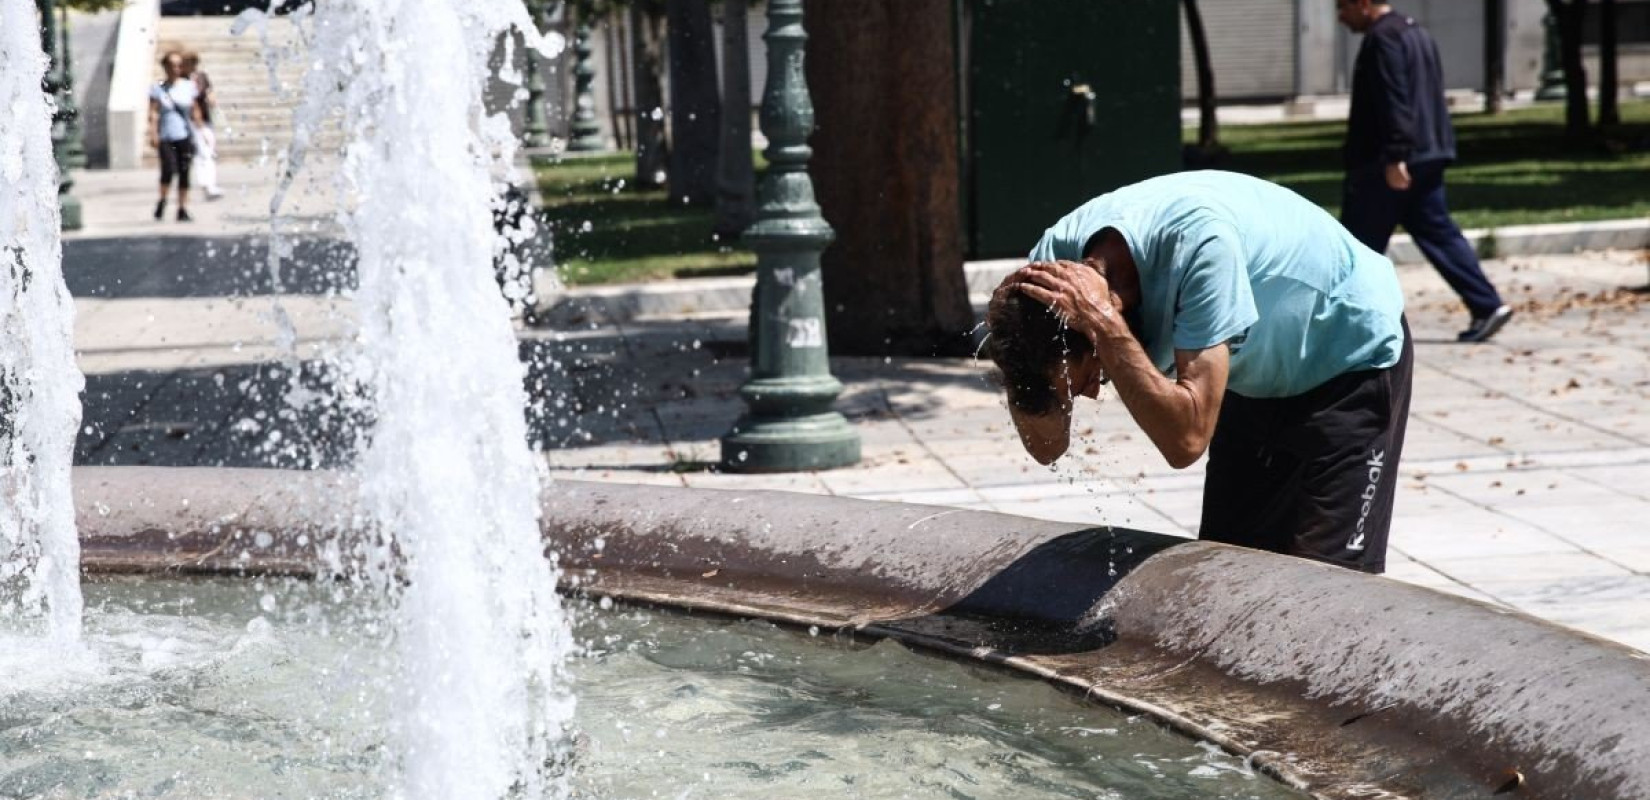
1514	168
606	231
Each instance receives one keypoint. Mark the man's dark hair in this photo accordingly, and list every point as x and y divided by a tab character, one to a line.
1026	341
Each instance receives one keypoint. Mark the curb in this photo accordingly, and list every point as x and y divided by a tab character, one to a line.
689	297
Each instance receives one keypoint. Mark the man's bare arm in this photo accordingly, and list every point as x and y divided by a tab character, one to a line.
1178	415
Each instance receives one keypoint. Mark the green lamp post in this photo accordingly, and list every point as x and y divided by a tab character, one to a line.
1552	75
76	144
537	129
68	204
789	424
587	134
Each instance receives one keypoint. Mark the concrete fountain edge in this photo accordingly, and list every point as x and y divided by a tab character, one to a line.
1342	684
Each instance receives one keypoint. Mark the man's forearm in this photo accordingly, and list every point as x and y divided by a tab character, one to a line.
1169	411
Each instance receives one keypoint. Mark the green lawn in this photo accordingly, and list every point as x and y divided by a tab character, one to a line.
1512	169
607	232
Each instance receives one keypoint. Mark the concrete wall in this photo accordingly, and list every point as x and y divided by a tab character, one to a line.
128	89
92	51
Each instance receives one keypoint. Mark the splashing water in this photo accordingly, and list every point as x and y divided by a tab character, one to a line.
449	486
39	381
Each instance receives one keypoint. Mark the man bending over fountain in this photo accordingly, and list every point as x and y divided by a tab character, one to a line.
1233	317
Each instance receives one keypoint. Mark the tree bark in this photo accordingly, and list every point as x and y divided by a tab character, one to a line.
695	106
735	174
886	167
1609	114
1570	16
1208	124
647	45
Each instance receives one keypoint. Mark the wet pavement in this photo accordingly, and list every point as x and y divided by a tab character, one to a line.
1526	474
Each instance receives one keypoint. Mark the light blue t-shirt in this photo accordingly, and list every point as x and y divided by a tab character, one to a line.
1229	258
176	102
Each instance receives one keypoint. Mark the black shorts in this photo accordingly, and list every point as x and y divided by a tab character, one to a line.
1312	475
175	158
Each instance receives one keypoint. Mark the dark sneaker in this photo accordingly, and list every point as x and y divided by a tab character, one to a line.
183	215
160	209
1482	328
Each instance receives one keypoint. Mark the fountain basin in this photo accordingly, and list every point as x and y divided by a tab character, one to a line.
263	687
1342	684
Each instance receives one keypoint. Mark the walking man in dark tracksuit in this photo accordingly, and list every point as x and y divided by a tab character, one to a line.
1398	143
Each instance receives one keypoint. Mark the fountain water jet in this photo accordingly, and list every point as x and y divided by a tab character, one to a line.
449	487
39	381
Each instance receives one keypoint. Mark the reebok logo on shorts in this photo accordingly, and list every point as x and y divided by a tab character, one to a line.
1376	465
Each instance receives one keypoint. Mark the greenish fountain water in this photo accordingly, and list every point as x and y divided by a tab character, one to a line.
252	689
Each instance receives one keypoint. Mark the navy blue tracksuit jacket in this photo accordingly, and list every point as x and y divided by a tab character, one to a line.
1398	111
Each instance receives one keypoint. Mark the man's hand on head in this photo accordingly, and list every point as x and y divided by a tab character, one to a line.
1078	293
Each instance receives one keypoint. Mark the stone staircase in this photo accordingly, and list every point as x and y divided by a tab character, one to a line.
254	119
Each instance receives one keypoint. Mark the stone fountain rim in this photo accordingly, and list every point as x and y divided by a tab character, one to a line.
1204	638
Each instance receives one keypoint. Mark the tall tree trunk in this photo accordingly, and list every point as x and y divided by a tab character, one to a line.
1495	52
647	46
695	107
1208	125
1609	115
735	174
1570	16
884	79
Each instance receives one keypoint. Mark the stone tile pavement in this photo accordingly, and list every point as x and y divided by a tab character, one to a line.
1526	473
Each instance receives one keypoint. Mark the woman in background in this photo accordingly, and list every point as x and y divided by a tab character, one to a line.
173	113
205	139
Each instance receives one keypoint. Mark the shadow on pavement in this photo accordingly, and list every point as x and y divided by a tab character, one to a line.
203	266
236	416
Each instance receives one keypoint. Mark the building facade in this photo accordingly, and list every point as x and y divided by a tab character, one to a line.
1268	50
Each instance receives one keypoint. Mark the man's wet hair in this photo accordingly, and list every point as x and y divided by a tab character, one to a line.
1027	341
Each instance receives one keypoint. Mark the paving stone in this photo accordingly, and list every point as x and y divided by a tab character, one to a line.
1635	557
1472	533
891	474
1182	507
1427	440
1611	524
1112	509
1417	575
805	482
617	475
1510	490
955	498
1487	572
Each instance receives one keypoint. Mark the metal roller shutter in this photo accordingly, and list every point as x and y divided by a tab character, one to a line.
1253	46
